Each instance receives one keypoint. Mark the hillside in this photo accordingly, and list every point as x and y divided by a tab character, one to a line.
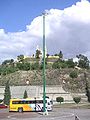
53	77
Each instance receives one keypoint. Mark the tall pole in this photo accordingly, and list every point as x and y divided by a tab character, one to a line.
44	79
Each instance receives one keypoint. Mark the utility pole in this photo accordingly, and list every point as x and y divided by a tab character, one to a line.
44	78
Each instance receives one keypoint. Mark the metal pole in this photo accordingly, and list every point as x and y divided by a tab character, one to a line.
44	80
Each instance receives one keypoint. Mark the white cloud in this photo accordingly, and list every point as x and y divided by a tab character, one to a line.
66	30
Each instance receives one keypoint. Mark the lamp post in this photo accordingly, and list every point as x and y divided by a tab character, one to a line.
44	79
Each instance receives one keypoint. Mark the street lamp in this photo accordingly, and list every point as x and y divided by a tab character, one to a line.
44	79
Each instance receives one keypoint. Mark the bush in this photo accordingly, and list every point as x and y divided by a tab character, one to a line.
77	99
73	74
56	65
23	66
60	99
35	66
70	63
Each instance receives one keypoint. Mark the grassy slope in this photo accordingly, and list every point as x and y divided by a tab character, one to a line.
53	77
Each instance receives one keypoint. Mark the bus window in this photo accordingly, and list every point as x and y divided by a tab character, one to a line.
39	101
15	102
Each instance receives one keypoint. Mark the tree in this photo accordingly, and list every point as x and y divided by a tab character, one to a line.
56	54
8	62
83	61
25	94
7	94
47	55
87	93
12	62
87	88
38	52
60	55
20	58
60	99
77	99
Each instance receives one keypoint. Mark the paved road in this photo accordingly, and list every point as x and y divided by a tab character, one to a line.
56	114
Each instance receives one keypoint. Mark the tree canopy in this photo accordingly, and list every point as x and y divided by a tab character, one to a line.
83	61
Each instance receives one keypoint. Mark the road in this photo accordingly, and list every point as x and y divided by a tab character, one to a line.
56	114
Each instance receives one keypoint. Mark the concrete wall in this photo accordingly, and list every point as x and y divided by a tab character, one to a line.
56	91
1	92
36	91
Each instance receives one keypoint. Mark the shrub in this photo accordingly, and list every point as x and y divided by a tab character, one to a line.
77	99
35	66
73	74
60	99
56	65
70	63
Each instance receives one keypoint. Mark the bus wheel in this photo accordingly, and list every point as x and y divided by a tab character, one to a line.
20	110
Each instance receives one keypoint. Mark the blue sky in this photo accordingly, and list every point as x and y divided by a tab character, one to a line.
16	14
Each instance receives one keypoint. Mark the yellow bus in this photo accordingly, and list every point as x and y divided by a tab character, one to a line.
29	104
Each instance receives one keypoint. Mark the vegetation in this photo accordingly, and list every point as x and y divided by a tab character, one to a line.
77	99
57	71
4	70
38	52
25	94
10	66
20	58
60	99
23	66
87	88
70	63
60	55
83	61
88	93
7	94
73	74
